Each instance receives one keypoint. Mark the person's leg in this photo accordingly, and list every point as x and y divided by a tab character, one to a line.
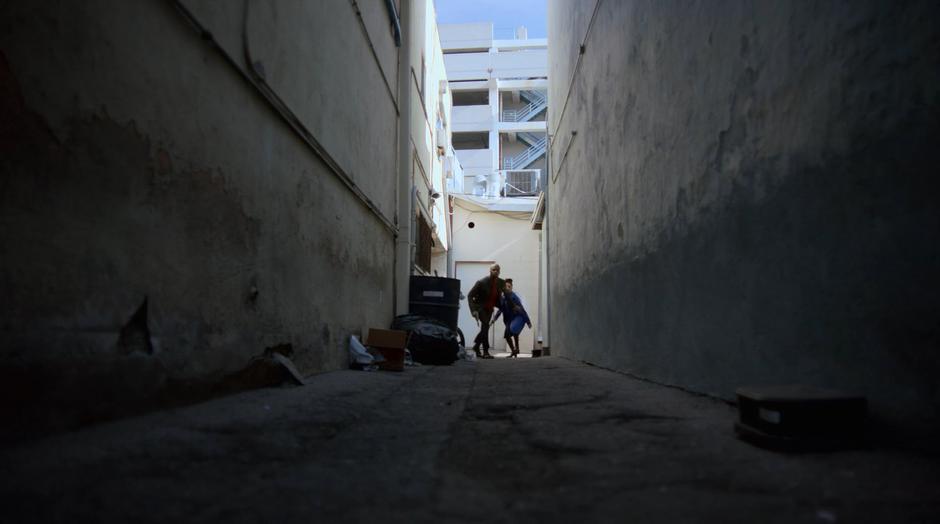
477	341
515	349
481	338
508	336
485	317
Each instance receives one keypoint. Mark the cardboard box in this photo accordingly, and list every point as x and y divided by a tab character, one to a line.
391	345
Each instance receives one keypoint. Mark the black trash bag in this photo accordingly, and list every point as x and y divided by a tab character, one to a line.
431	341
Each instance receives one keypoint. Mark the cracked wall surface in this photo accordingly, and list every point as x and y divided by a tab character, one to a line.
745	192
161	224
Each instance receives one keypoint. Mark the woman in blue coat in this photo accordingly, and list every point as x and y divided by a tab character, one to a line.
514	316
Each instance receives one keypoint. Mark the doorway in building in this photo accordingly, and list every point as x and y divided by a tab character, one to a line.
469	273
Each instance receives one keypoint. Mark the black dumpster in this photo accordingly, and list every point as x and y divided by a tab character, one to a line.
435	297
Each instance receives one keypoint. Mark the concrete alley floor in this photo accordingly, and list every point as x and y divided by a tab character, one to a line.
504	440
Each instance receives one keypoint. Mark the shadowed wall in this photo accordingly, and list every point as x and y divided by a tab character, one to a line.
162	222
746	192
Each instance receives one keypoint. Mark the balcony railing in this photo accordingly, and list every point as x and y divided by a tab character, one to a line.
538	101
537	148
505	183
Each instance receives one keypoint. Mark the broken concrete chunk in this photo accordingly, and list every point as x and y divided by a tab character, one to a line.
288	365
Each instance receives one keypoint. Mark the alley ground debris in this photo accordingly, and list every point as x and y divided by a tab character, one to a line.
533	440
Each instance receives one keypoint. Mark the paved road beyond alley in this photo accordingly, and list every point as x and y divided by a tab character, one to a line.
528	440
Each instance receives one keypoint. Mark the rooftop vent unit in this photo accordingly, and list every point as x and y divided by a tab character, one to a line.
522	182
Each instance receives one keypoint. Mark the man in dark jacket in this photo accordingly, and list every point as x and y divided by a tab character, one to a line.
482	299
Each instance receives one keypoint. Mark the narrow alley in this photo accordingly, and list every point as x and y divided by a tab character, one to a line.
439	261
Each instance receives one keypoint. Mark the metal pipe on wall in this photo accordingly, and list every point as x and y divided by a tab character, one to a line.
404	214
415	210
395	19
546	242
449	224
253	74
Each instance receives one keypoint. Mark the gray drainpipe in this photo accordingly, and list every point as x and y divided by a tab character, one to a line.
546	232
414	227
449	224
396	24
405	213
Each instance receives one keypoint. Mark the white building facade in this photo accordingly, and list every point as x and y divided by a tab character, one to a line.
498	90
433	156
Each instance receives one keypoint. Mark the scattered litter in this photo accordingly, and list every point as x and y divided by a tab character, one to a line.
410	361
359	356
273	368
388	347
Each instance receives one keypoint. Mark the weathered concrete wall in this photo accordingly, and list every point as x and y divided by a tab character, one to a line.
746	192
140	168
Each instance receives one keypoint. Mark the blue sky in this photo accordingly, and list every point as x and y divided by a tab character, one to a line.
505	14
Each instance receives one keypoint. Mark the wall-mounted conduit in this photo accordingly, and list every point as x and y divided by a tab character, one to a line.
255	77
375	54
396	24
582	48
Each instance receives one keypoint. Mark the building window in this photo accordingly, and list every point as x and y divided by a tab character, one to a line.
425	243
470	140
471	98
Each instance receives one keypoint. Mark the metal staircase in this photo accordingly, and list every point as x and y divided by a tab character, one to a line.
538	143
534	96
530	138
538	101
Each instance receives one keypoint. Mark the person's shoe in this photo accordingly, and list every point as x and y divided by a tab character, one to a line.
486	354
476	349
